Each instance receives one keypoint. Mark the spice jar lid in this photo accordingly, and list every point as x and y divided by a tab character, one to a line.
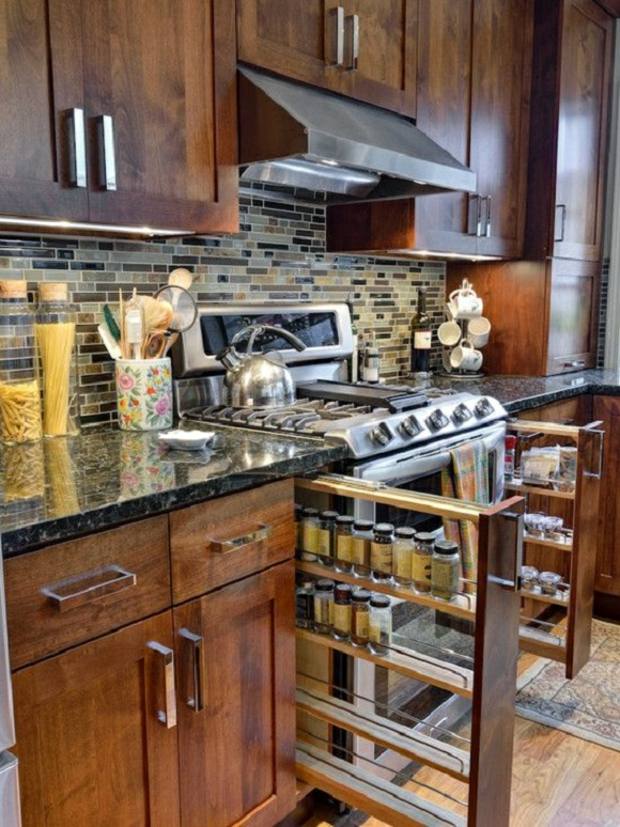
446	547
325	585
425	537
329	515
311	512
380	601
308	585
405	531
384	528
345	519
549	577
13	289
511	442
360	596
363	525
343	593
50	291
529	573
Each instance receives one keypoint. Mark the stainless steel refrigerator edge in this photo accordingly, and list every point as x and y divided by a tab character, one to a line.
9	784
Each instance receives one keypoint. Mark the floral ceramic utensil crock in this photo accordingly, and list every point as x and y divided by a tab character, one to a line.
144	394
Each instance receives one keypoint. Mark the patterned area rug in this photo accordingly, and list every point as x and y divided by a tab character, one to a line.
589	705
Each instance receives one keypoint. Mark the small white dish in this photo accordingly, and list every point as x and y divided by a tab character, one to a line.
187	440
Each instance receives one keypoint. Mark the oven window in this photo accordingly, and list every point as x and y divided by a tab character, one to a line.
314	330
430	484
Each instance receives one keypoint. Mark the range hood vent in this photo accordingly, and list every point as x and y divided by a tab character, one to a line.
300	137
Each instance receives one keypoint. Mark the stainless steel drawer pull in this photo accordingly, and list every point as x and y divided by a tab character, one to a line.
90	585
76	140
168	715
560	222
488	219
193	665
336	20
575	363
474	215
516	542
107	155
352	25
258	535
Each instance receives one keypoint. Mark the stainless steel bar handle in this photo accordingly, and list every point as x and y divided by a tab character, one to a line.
168	715
77	147
257	535
352	24
513	585
560	212
194	697
107	154
488	217
89	587
337	36
474	210
575	363
600	440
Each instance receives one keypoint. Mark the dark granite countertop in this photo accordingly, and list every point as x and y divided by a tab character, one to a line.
62	488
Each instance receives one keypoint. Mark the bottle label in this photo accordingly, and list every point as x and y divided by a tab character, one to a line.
344	547
422	339
342	617
381	557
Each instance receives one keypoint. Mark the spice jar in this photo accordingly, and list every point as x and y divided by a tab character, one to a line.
421	561
380	624
304	604
402	555
381	552
310	534
327	537
529	578
549	582
55	332
341	628
445	566
344	543
360	547
20	398
360	605
299	510
323	606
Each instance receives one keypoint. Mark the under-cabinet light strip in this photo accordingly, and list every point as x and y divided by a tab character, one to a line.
56	224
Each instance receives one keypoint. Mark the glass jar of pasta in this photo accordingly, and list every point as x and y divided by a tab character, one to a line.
20	398
56	343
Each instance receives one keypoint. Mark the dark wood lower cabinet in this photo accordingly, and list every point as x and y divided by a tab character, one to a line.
236	693
607	408
92	748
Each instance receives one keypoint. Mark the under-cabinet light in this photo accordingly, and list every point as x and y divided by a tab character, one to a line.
58	224
440	255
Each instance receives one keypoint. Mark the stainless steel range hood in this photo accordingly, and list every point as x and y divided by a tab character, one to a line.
302	138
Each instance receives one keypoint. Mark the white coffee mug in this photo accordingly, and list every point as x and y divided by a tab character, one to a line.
466	357
478	331
465	304
449	334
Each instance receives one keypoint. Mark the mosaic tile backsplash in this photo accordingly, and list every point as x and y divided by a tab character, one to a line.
279	254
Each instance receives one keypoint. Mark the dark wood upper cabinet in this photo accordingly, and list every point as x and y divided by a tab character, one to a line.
568	149
359	48
473	99
120	112
236	689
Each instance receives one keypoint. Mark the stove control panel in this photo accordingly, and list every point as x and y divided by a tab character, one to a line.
410	427
381	435
437	420
461	414
483	408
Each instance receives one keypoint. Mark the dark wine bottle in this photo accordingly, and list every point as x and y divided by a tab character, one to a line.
421	336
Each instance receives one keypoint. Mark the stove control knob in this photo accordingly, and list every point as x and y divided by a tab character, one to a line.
410	427
437	420
461	414
483	408
381	435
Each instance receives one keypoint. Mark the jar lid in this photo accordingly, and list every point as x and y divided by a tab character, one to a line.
549	577
425	537
446	547
53	291
360	596
363	525
405	531
298	508
380	601
306	584
13	289
343	592
329	515
345	519
384	528
311	512
325	585
511	442
529	572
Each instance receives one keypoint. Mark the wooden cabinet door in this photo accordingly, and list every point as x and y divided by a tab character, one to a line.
586	50
163	73
607	408
573	310
91	748
501	75
40	84
236	690
443	113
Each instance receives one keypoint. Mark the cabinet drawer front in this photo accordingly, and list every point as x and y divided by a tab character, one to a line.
72	592
225	539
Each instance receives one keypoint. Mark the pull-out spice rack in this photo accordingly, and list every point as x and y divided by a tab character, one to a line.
565	639
479	764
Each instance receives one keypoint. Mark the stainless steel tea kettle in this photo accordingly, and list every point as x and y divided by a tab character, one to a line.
259	380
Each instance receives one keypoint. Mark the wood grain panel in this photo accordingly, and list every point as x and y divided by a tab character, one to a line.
197	567
607	408
37	628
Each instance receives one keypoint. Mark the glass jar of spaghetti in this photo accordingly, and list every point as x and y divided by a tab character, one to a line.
56	343
20	397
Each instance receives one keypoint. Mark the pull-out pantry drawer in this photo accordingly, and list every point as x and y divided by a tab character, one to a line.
223	540
72	592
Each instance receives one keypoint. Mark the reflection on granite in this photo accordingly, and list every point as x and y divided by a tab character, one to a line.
518	393
61	488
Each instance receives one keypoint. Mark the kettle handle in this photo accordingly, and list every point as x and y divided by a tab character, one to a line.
261	328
